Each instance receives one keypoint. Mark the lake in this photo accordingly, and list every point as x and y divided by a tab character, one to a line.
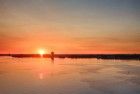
68	76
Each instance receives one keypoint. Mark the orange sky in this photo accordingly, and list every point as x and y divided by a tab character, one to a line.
71	26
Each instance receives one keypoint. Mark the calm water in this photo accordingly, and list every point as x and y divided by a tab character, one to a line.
68	76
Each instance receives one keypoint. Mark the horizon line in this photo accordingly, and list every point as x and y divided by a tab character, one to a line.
69	53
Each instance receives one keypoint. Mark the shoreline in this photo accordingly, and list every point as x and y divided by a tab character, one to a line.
98	56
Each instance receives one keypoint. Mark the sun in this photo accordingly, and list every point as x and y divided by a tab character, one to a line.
41	51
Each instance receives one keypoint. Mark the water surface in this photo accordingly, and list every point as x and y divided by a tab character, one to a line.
68	76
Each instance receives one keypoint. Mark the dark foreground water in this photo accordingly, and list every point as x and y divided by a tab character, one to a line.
68	76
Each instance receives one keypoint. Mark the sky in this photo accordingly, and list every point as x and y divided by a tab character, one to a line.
70	26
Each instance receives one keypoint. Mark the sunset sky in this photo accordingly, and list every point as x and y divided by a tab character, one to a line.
70	26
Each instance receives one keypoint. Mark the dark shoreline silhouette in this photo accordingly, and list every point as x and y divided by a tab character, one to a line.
98	56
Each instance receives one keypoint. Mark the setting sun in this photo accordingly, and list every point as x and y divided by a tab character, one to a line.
42	52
